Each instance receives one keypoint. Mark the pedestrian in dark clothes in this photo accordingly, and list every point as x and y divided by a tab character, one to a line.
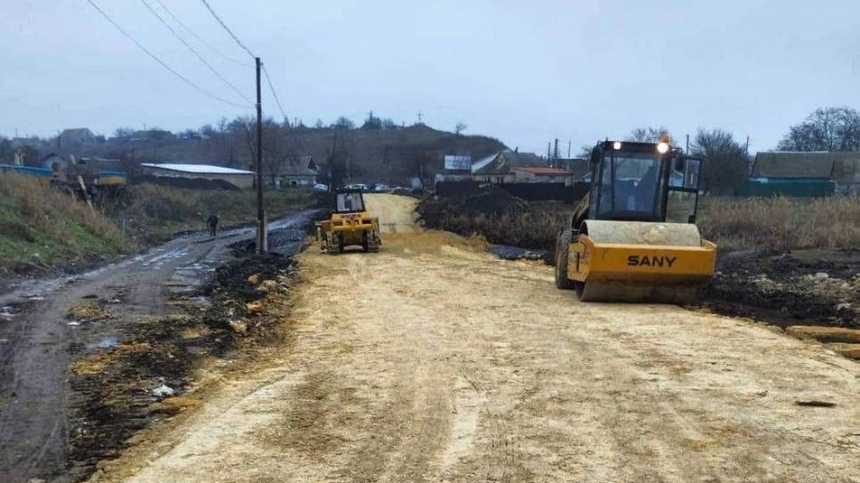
212	223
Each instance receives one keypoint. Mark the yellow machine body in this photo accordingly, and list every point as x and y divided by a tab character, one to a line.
353	228
634	261
633	237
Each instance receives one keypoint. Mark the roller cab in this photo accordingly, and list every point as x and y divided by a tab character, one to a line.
633	239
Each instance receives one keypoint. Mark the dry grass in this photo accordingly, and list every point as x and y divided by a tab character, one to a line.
772	224
43	226
781	224
157	213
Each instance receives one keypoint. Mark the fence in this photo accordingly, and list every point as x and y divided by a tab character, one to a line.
526	191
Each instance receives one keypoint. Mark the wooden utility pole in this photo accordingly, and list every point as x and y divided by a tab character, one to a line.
262	238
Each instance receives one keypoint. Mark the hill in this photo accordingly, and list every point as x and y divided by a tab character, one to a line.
390	155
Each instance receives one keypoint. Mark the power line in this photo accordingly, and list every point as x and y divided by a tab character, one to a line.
155	58
275	94
228	29
200	39
207	64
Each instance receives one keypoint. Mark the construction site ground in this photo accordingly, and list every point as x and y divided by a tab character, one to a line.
435	361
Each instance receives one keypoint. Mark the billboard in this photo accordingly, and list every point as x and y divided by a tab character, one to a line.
458	163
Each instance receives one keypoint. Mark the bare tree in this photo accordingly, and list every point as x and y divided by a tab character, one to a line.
826	129
343	122
726	162
648	134
460	127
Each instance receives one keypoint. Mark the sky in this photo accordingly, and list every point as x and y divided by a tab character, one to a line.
523	72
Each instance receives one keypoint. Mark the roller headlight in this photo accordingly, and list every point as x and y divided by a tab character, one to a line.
663	148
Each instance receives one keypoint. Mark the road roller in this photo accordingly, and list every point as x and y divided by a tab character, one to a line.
633	237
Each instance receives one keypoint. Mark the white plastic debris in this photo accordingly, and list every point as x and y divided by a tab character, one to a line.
163	391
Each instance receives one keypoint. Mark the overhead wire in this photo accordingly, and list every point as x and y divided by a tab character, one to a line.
157	59
239	42
275	95
194	34
208	7
186	44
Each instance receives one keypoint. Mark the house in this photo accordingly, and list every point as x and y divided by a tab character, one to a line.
77	136
578	167
237	177
799	174
529	174
298	171
846	173
498	168
456	168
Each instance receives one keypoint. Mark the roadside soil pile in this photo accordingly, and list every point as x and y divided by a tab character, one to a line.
805	287
127	383
188	183
503	219
487	202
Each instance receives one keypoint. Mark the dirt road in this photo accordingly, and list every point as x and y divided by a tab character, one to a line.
38	338
430	361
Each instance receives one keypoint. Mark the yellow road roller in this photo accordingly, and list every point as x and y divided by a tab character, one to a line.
633	237
350	225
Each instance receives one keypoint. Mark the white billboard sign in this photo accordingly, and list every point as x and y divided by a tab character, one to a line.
458	163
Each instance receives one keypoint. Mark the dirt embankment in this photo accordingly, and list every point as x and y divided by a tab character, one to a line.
434	361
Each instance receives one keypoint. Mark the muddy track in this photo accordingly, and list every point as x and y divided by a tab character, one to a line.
39	337
432	361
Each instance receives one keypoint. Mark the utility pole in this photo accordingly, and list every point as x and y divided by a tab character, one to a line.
555	151
262	239
687	149
747	148
569	142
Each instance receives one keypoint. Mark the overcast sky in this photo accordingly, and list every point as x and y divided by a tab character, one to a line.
524	72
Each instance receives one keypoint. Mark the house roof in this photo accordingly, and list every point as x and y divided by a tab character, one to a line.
793	165
81	131
543	171
195	168
300	166
502	162
578	166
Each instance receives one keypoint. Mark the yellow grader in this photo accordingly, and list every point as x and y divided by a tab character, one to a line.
350	225
633	237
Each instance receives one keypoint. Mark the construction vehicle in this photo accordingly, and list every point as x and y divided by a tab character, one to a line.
350	225
633	237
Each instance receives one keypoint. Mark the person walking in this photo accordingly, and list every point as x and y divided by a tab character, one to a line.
212	223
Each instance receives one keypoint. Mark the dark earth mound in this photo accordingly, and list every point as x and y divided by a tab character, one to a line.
816	287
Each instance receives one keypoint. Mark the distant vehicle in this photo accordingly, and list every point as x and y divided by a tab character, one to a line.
320	187
357	187
382	188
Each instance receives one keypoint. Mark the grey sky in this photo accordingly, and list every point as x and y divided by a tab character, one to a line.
524	72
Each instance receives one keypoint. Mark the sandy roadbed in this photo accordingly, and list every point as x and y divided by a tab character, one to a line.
430	361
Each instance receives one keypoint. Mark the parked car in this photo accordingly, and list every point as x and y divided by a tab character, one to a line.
382	188
320	187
